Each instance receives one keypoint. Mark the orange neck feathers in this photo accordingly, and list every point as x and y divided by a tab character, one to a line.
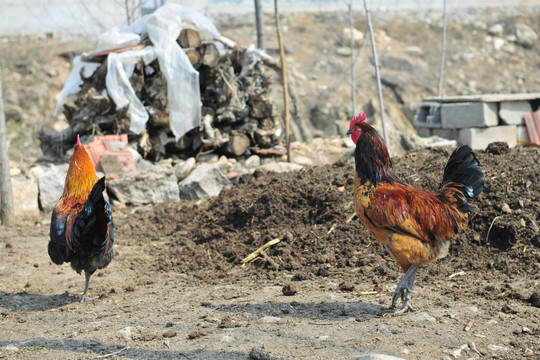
81	176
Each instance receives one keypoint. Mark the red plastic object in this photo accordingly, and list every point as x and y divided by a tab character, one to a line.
533	127
103	148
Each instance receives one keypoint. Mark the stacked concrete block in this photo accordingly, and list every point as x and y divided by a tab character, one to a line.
511	112
479	138
476	122
472	114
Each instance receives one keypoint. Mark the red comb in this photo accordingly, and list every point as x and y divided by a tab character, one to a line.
360	117
78	141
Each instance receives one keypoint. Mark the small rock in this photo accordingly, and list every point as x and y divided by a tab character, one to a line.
357	35
169	334
10	348
51	187
196	334
227	338
254	161
13	113
378	357
323	338
421	317
208	158
414	51
125	333
497	348
344	51
525	36
496	30
497	148
270	319
14	172
205	181
280	167
498	43
346	286
528	352
289	290
534	299
256	354
526	330
505	208
182	170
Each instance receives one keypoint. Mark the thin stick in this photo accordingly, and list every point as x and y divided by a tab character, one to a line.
284	78
349	219
443	50
256	253
377	75
112	354
459	273
353	58
490	226
7	216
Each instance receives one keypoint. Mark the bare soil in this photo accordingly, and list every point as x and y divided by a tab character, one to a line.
177	287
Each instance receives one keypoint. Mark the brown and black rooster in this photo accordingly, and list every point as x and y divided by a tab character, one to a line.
415	226
82	232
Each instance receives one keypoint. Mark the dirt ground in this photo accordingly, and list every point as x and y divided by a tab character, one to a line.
177	288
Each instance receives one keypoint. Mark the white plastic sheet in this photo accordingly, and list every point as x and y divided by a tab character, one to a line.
163	28
74	81
119	69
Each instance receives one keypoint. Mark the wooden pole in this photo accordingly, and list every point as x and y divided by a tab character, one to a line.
443	50
353	59
377	75
7	214
284	77
259	21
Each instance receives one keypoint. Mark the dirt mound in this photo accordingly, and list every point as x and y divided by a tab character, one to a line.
310	211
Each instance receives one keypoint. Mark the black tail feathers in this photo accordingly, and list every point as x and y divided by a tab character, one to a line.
464	174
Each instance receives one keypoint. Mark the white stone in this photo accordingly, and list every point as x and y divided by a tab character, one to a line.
496	30
25	197
51	187
523	135
205	181
497	348
511	112
155	185
498	43
378	357
270	319
525	36
183	169
281	167
479	138
357	35
254	161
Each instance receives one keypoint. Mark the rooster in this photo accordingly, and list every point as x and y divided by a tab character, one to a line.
82	232
414	226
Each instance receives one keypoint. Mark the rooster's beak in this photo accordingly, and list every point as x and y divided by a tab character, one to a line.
349	132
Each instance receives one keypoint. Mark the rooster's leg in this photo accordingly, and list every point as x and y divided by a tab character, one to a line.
85	297
403	290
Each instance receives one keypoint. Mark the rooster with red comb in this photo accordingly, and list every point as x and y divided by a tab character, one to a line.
415	226
82	232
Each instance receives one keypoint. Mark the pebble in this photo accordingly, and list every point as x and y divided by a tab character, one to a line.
182	170
10	348
270	319
227	338
505	208
254	161
497	348
421	317
378	357
323	338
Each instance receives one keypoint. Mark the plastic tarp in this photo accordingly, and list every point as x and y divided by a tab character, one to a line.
163	28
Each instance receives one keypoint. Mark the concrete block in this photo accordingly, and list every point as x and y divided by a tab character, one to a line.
423	131
451	134
523	135
511	112
428	115
469	115
479	138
